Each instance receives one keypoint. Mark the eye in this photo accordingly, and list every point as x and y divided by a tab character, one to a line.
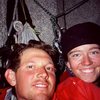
75	55
30	66
95	52
51	68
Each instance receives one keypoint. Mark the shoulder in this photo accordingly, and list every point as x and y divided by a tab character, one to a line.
68	85
69	82
74	87
3	93
72	83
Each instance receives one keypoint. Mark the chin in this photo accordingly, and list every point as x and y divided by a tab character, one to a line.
88	80
42	97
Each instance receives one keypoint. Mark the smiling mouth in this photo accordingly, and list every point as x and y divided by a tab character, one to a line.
41	85
88	70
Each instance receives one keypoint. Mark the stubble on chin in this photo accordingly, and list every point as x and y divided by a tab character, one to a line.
42	97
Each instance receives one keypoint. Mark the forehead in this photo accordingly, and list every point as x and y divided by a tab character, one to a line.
34	52
85	47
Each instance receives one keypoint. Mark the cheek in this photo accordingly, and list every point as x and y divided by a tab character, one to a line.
74	64
22	77
23	82
52	78
95	62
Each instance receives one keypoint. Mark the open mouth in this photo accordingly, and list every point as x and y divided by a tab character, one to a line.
87	70
41	85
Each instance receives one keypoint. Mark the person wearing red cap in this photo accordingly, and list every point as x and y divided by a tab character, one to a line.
81	52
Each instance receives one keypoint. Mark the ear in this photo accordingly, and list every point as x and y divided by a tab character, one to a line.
10	77
68	65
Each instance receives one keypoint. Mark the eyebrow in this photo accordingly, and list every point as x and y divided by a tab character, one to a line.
73	52
95	47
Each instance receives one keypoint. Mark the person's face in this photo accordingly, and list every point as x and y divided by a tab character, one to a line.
84	61
35	78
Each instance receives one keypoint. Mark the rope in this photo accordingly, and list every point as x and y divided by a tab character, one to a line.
53	19
43	8
55	27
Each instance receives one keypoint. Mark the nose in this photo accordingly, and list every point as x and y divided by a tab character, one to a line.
42	73
86	60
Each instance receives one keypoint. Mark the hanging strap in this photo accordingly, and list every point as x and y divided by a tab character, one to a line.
23	9
14	16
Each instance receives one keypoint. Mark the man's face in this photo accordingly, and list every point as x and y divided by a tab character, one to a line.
84	61
35	78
